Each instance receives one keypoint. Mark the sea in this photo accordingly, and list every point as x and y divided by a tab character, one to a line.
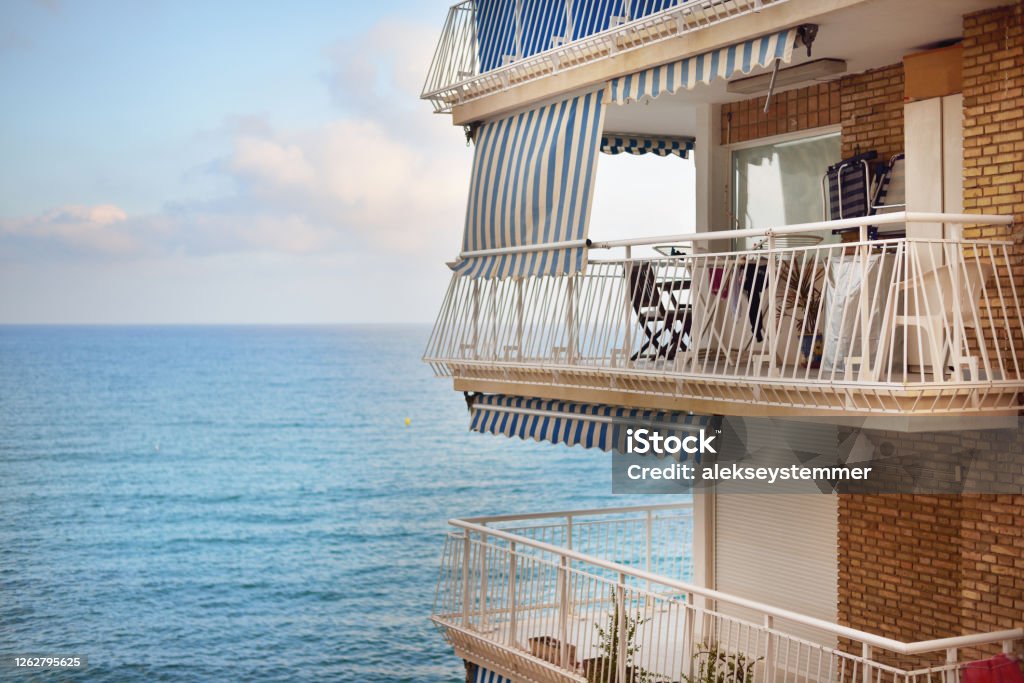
245	503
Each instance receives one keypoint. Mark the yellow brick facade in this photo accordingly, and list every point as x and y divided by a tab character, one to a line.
915	567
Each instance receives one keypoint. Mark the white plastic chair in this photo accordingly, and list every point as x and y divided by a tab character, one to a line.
942	304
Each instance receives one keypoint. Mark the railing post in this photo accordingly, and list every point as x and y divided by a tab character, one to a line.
512	594
769	648
473	69
650	527
649	530
483	582
952	656
865	672
493	307
563	613
519	319
568	545
620	611
519	30
571	331
627	267
773	288
689	644
465	577
476	318
1007	647
864	299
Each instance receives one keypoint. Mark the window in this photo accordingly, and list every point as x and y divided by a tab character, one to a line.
780	183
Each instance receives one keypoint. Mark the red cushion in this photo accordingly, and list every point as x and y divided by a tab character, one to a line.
998	669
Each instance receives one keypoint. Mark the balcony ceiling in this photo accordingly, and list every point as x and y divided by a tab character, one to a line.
868	35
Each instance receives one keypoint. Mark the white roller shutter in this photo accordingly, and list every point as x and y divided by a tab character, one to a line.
779	549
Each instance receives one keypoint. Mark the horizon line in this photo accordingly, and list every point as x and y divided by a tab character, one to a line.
355	323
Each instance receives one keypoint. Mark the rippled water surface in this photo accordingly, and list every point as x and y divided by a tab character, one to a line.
239	503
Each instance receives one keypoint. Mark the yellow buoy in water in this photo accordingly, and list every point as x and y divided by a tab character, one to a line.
408	422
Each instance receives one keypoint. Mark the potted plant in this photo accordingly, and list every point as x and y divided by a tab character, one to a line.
716	665
549	649
604	668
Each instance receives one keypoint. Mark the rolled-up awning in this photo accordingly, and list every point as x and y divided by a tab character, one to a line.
531	190
567	422
617	143
704	68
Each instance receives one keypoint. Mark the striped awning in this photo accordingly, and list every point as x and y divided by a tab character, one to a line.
617	143
485	676
509	31
531	190
566	422
704	68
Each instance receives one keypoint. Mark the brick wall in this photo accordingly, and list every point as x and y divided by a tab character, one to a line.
899	565
994	116
869	106
992	584
914	567
911	566
899	573
871	110
790	111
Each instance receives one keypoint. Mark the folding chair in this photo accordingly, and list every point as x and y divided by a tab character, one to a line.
658	310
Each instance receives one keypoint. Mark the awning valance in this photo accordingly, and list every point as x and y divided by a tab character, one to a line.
531	189
567	422
617	143
704	68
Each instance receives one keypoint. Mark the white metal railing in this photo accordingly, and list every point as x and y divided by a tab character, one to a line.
549	612
892	325
488	46
647	537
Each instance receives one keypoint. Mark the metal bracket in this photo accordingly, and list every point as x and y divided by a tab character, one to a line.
805	35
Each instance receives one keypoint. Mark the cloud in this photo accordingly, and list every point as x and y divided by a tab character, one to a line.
385	175
388	173
100	228
348	184
102	214
356	178
383	70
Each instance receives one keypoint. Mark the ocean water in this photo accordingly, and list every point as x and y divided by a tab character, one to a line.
244	503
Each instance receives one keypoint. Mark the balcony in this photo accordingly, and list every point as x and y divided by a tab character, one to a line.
875	327
488	46
602	597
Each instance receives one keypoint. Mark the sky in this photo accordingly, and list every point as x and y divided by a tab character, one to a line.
239	162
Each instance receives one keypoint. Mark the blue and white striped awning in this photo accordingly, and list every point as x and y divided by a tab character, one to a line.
531	191
589	425
617	143
704	68
509	31
485	676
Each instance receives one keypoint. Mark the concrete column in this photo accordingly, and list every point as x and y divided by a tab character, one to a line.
712	167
